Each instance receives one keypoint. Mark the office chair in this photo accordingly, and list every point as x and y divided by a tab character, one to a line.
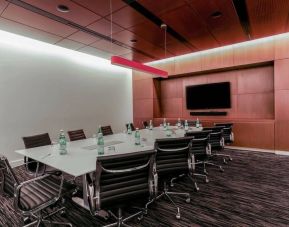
201	150
145	124
227	132
33	167
131	126
76	135
33	196
106	130
118	181
217	141
174	159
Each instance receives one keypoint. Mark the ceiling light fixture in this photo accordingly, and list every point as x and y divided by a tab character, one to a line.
216	14
63	8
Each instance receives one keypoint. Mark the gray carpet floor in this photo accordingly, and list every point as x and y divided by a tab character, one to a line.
253	191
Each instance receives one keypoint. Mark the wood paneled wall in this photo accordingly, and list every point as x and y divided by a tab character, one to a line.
260	95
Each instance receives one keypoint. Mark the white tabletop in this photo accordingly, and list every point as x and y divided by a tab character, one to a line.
82	154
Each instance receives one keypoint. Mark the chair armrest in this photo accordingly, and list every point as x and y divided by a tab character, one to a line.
17	190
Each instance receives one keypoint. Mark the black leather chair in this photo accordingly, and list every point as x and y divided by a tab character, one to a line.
131	126
145	124
227	132
217	141
120	180
32	166
106	130
33	196
173	159
76	135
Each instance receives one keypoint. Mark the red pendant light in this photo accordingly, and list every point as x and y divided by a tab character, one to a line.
116	60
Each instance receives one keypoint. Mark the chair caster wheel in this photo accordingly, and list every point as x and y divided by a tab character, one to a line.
230	159
172	185
26	221
207	180
225	161
188	200
140	218
221	169
178	216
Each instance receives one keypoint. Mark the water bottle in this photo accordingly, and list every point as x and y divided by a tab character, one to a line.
100	144
164	123
179	124
186	125
62	143
137	137
168	130
129	129
151	125
197	123
99	129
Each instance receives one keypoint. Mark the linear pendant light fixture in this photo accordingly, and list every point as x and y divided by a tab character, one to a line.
120	61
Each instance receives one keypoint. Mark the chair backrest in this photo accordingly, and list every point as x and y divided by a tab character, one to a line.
145	124
227	125
8	179
201	147
76	135
131	126
35	141
120	179
173	157
106	130
228	135
214	129
199	134
216	140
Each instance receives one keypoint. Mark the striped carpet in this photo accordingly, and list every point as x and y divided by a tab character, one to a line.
253	191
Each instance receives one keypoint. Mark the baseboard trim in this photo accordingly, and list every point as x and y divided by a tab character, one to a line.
16	163
277	152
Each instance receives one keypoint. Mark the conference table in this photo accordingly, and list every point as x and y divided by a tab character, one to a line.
82	154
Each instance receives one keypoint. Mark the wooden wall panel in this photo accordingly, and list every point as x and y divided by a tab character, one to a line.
254	134
214	59
281	135
282	47
282	104
186	64
171	88
256	80
143	108
281	77
172	107
143	89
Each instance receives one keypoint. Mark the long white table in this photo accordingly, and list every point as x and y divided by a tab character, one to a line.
82	155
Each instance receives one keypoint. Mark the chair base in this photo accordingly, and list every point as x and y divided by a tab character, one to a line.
168	194
120	221
225	157
40	219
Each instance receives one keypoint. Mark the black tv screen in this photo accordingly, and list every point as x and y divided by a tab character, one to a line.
208	96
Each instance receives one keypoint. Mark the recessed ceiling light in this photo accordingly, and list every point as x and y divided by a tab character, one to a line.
62	8
133	40
216	14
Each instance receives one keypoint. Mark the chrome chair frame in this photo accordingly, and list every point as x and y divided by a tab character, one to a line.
93	191
191	168
36	212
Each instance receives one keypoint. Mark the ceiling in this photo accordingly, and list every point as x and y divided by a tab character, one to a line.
192	25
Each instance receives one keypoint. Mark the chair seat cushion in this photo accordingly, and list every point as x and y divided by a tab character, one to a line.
41	191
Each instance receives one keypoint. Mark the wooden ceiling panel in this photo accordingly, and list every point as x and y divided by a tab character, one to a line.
161	6
70	44
3	5
111	47
77	14
101	7
137	57
152	33
226	28
103	26
24	30
23	16
187	23
127	17
83	37
267	17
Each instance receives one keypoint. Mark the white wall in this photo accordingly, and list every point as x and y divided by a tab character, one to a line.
44	88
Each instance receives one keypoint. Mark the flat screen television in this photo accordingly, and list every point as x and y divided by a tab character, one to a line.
208	96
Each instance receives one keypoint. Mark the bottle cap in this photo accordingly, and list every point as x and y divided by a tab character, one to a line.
136	128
